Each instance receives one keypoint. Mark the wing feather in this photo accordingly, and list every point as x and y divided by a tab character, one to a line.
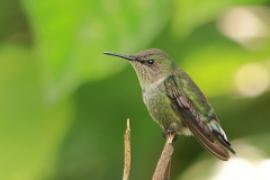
190	103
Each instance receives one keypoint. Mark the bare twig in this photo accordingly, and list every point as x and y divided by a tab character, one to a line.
168	171
127	155
162	171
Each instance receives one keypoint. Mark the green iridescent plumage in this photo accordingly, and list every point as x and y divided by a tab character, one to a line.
176	103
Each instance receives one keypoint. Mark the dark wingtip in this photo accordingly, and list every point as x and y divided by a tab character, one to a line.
224	142
231	150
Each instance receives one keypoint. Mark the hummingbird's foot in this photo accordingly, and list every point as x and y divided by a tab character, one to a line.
169	132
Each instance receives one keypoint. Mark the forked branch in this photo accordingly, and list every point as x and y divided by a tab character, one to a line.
162	171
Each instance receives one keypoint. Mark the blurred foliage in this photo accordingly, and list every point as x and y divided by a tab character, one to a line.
70	37
63	104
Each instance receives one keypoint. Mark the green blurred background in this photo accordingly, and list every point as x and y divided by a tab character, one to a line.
64	105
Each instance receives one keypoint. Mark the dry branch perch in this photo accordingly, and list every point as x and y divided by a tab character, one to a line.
162	171
127	152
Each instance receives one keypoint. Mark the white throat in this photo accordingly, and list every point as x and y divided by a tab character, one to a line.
155	84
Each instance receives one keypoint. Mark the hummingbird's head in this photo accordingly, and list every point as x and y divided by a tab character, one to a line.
150	65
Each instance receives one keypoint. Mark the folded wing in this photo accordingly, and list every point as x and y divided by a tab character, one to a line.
189	102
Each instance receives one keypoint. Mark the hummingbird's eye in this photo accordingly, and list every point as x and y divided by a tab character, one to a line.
151	61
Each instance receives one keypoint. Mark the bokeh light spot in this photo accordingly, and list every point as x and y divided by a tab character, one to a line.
239	168
235	169
252	79
245	24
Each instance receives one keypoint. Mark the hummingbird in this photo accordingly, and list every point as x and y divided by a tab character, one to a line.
175	102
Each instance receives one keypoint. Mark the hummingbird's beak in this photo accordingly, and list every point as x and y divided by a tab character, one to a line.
127	57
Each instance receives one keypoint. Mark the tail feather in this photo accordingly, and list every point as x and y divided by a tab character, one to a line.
213	146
